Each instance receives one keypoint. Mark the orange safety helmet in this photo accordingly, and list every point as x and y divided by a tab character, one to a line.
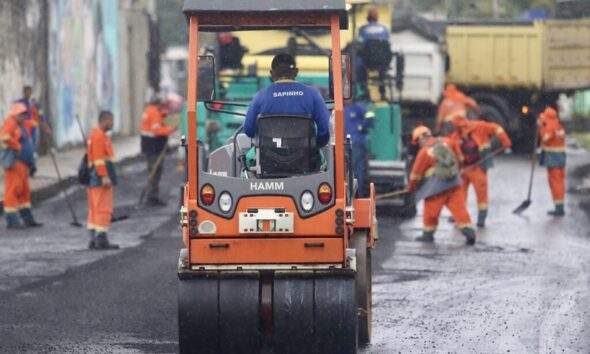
420	131
17	108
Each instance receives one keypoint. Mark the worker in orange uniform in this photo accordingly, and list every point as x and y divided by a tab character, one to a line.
453	100
18	160
435	177
475	138
154	139
552	138
102	179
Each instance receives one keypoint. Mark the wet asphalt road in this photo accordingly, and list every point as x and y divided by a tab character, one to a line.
523	288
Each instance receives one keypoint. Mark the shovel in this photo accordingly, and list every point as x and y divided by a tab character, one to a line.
405	191
527	202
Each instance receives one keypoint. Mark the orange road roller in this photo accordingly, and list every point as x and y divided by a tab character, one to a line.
277	249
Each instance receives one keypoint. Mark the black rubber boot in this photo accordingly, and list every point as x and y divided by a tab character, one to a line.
28	218
101	242
427	236
13	222
469	234
559	211
91	239
481	217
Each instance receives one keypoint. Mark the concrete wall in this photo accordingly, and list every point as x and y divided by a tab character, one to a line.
83	63
23	50
80	56
134	45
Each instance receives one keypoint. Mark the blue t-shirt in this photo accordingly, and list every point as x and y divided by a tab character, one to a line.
290	97
355	123
373	31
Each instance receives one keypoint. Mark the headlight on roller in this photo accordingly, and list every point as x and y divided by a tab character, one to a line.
225	202
307	201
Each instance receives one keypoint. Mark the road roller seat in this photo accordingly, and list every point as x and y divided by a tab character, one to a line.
286	146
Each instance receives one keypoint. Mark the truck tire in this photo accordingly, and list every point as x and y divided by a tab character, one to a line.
493	114
522	139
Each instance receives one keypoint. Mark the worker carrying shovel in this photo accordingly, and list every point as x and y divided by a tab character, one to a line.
154	140
475	138
435	178
552	138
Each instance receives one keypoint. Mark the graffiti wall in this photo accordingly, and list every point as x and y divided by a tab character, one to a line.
83	59
22	50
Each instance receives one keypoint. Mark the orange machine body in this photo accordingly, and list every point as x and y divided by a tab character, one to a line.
315	240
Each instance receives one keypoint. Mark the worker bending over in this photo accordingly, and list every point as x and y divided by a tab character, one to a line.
552	138
435	177
154	140
103	178
475	138
453	101
18	160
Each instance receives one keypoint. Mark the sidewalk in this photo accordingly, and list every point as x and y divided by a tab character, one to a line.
45	183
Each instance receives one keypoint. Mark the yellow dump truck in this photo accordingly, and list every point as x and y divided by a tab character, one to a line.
515	70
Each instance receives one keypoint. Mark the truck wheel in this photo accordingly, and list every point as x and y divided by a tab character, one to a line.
363	286
492	114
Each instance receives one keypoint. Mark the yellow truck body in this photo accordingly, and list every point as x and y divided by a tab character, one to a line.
552	55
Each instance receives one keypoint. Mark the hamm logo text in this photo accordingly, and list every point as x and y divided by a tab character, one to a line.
267	186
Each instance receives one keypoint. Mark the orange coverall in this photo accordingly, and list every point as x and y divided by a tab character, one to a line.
453	199
454	100
17	193
482	133
100	196
552	137
152	122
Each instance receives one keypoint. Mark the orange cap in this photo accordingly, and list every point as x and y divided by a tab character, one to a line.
418	132
17	108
